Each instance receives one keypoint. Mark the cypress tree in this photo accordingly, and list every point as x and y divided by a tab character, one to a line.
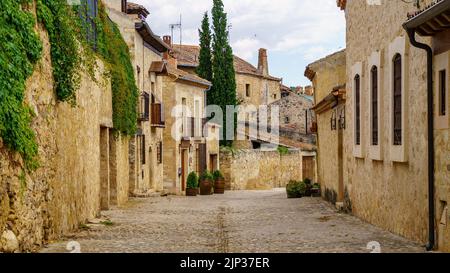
223	92
204	68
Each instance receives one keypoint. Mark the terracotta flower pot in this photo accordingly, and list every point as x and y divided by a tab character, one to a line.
219	186
191	192
206	187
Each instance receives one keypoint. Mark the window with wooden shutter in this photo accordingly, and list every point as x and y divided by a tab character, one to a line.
397	100
374	95
357	110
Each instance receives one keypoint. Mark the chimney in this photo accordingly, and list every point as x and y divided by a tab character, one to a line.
263	65
168	40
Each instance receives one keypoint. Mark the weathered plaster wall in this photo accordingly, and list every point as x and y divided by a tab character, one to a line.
258	170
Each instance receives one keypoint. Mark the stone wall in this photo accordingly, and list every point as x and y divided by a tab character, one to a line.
147	177
258	87
390	194
259	170
65	191
293	111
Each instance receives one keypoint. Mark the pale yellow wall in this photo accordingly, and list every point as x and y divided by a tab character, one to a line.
388	194
65	190
174	92
142	57
330	72
114	4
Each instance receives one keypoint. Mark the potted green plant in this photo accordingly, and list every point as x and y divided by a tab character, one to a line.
206	183
316	190
192	184
295	189
219	182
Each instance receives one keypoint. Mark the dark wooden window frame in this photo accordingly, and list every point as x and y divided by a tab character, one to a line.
88	14
442	92
375	107
357	82
159	152
397	100
143	150
247	90
124	6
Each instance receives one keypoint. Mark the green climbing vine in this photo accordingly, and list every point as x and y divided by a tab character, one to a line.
112	47
68	29
20	49
57	17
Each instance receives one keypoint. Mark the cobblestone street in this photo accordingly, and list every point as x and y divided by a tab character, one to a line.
241	221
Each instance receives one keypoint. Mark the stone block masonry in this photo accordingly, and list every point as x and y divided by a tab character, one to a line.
260	170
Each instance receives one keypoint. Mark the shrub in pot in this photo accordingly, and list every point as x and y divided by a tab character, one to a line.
295	189
219	182
192	184
206	183
316	190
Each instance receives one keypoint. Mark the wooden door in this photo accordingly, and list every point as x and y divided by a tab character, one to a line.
308	167
183	169
213	163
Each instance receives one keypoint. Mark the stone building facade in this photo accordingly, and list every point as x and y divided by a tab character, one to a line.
385	144
261	170
146	148
295	116
83	165
328	76
186	139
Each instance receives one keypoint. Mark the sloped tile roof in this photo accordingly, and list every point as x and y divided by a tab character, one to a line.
164	67
187	55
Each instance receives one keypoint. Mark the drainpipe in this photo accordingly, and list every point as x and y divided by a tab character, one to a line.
431	199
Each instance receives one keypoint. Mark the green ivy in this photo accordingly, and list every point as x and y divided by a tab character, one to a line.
58	19
125	94
20	49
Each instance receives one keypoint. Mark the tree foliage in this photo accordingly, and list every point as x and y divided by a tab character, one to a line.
204	68
223	92
20	49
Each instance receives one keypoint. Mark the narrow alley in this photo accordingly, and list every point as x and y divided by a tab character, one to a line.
237	222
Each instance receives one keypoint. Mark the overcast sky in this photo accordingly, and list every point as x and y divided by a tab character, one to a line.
295	32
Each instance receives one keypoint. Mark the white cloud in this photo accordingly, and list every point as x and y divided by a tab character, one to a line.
246	48
302	29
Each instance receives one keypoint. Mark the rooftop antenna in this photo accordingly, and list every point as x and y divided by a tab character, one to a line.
178	26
